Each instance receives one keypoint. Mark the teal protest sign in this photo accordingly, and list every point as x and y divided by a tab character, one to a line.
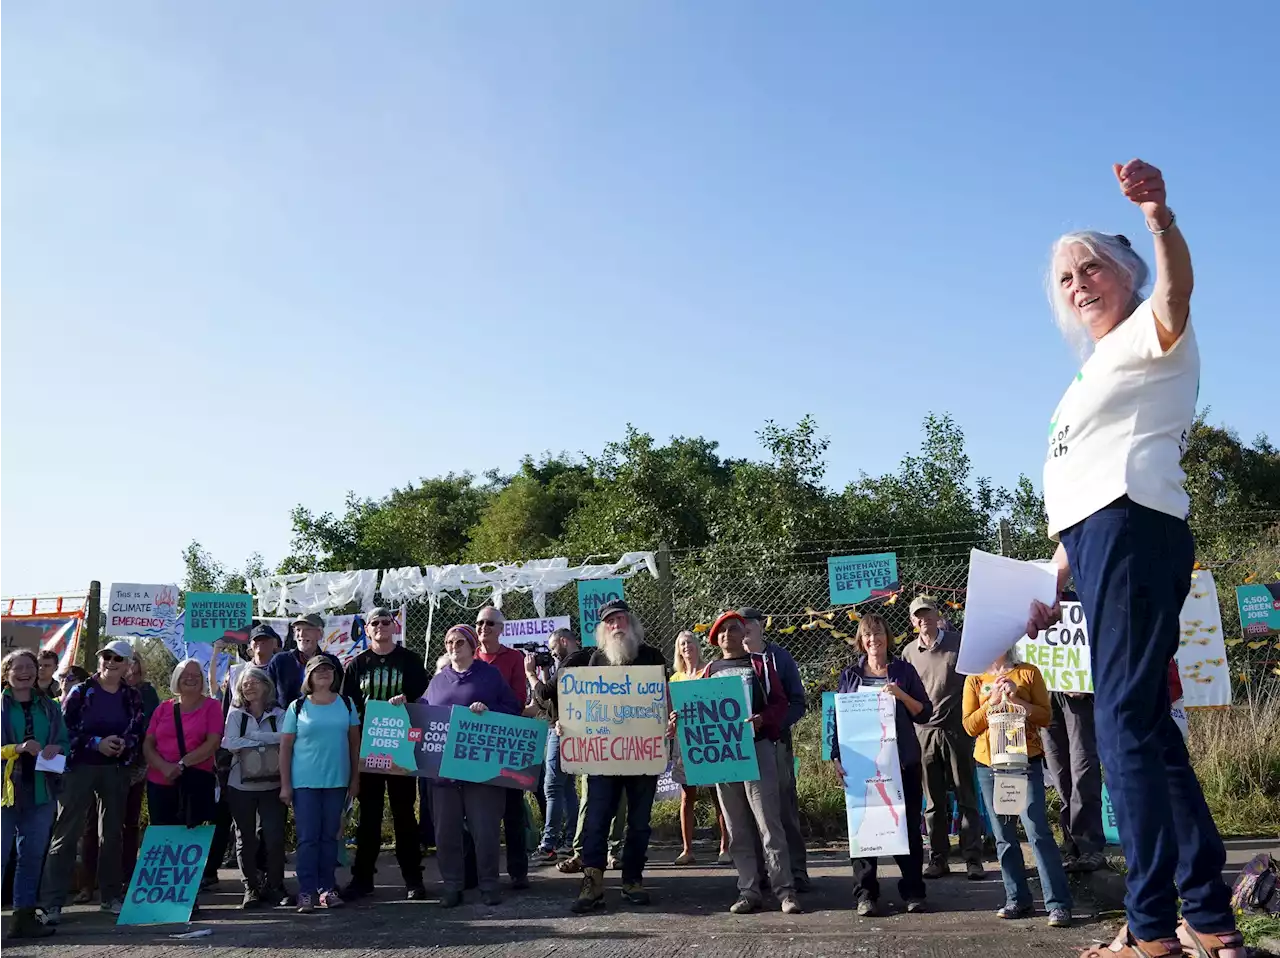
493	748
1110	830
1259	609
853	579
208	616
593	593
167	877
714	731
828	723
388	739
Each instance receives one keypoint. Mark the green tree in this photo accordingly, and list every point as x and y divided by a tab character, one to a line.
528	516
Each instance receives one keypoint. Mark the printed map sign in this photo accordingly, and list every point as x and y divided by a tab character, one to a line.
389	739
522	631
208	616
593	593
1061	652
716	739
144	611
853	579
614	720
1259	607
494	748
873	797
167	876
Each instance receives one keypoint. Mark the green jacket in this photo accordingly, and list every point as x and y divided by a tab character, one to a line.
46	721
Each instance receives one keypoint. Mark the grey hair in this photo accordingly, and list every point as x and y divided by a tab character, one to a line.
637	629
253	672
177	674
1116	252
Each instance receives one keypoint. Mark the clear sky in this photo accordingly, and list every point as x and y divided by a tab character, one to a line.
258	255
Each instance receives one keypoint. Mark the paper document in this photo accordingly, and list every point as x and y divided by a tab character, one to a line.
997	605
57	765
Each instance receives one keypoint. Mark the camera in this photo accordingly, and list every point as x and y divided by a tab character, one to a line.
541	657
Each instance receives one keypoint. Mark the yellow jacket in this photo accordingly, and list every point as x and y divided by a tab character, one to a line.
1030	688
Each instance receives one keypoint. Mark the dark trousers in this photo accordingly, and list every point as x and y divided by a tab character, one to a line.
400	791
603	795
1132	568
222	822
426	814
130	835
515	827
1071	756
947	762
911	865
260	826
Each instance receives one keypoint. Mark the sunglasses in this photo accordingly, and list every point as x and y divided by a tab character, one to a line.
377	622
481	623
457	644
111	657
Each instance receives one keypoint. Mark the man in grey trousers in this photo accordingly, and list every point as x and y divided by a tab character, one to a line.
946	751
1071	755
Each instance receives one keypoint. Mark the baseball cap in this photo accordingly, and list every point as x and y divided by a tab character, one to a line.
720	621
378	612
119	647
615	605
263	631
313	619
750	612
321	661
923	602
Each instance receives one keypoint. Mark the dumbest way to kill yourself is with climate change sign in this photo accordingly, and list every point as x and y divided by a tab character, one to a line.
613	719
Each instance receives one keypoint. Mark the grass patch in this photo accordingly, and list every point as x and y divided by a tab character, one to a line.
1255	928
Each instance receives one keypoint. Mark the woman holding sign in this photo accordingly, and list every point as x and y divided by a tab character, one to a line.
1113	491
469	683
688	664
876	669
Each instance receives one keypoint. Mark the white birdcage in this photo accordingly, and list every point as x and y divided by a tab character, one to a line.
1007	736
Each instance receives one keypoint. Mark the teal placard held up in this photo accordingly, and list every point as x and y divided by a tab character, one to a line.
388	738
853	579
208	616
167	877
493	748
828	723
593	593
714	731
1110	830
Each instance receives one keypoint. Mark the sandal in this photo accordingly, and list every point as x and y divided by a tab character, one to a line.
1197	944
1126	946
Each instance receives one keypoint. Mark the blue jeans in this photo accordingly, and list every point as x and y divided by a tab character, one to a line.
561	790
1132	568
1053	879
29	827
603	795
317	814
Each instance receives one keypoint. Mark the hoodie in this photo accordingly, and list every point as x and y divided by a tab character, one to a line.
480	683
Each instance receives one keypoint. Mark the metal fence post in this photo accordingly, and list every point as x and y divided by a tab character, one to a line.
92	615
666	590
1006	538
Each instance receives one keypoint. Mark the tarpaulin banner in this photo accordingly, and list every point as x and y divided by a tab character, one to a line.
58	632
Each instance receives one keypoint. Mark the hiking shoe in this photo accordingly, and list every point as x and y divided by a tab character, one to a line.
974	871
867	908
305	904
26	923
1089	862
250	900
914	905
330	899
936	869
724	858
415	892
685	858
1059	918
790	906
49	916
356	889
544	856
83	897
491	898
802	883
112	906
571	865
745	906
1014	911
520	883
451	899
591	895
1070	863
614	863
635	893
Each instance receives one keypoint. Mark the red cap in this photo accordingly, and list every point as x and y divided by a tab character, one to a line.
719	622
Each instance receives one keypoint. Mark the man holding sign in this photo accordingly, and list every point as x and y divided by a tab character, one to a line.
612	720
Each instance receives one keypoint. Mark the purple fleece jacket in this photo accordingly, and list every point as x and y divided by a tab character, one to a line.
480	683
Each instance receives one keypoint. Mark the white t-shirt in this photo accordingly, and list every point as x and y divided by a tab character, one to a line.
1122	426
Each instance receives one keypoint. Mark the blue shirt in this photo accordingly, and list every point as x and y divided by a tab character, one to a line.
321	753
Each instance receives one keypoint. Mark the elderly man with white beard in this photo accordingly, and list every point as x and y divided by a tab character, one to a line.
619	642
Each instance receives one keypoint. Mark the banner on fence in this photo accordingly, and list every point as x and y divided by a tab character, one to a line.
593	593
208	616
1202	648
167	876
853	579
141	610
614	720
494	748
874	802
389	739
1061	652
717	742
521	631
1259	607
59	632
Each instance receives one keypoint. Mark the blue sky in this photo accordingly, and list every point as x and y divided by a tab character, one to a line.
260	255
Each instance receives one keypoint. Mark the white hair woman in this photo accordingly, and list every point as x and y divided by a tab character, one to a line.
688	664
1113	490
252	736
181	741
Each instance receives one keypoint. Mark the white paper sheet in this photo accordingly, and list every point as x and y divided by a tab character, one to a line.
997	604
57	765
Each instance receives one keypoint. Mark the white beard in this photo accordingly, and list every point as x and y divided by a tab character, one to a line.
621	649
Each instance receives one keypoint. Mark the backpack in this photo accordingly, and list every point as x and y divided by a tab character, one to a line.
262	764
1256	891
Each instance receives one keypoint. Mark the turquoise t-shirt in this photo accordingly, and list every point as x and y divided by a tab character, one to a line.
321	753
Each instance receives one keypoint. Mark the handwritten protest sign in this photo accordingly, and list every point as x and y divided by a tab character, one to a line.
853	579
614	720
145	611
494	748
828	723
716	741
1061	652
389	739
593	593
167	877
207	616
